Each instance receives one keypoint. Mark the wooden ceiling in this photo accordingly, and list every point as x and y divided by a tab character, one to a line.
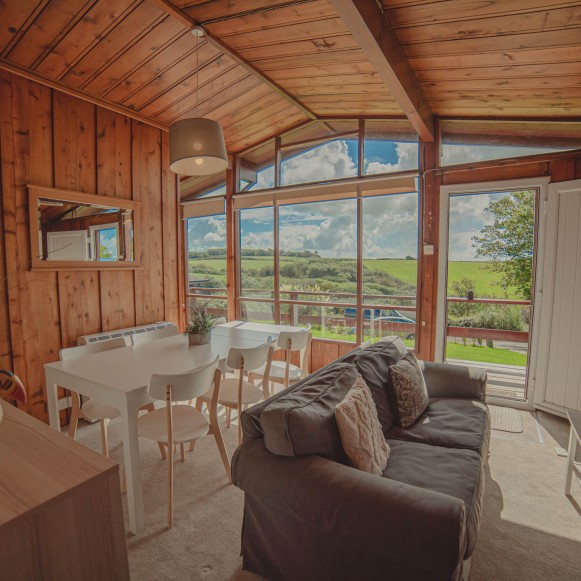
494	58
267	66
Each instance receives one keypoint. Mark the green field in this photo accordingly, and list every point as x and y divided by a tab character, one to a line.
406	270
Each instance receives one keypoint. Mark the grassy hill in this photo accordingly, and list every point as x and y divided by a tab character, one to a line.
404	270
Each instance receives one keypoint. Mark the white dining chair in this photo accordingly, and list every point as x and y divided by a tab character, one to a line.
147	336
219	321
285	372
93	409
237	392
181	423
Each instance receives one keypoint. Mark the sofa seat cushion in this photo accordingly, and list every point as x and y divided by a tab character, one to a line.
451	423
457	473
302	420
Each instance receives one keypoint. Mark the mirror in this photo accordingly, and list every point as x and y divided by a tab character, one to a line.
71	230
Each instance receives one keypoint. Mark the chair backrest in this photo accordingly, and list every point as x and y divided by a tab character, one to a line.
140	338
251	358
294	340
184	386
219	321
74	352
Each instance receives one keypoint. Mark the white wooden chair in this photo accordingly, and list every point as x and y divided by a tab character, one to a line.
147	336
93	409
182	423
236	392
284	372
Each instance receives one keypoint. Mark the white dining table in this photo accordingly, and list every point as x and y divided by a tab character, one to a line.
120	377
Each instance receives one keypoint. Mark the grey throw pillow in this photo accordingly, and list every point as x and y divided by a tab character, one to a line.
409	389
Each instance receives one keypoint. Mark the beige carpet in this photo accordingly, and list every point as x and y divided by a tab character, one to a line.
530	530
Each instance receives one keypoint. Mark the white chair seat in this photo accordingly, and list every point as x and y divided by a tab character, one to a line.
99	411
277	371
229	393
188	424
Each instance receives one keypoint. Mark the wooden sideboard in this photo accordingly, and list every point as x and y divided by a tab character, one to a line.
60	506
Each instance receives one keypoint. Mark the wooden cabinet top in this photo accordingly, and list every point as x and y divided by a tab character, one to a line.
38	465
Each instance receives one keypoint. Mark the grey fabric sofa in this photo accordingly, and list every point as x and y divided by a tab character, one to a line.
309	515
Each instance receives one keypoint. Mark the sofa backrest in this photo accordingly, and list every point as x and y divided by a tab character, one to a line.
301	419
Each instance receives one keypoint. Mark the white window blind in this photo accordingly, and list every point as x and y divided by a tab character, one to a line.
203	207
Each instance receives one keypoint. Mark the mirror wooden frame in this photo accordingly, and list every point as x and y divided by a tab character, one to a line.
36	192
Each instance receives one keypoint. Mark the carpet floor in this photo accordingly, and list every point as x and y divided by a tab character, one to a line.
529	531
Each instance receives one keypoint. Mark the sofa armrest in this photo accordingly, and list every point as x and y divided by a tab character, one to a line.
444	380
381	518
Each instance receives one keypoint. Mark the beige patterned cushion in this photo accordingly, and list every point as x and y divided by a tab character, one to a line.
409	387
360	430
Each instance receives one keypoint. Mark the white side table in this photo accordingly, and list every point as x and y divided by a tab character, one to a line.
574	437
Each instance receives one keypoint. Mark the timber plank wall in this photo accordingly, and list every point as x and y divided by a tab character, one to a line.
48	138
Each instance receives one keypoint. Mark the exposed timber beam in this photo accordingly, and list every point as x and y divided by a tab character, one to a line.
369	26
188	22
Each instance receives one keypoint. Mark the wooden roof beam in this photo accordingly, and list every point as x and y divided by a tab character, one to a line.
369	26
188	22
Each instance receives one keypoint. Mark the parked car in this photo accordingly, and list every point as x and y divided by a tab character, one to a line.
393	316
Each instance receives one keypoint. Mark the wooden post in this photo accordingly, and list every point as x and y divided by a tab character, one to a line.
428	249
231	246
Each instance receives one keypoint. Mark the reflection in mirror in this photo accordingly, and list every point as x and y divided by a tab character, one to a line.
83	232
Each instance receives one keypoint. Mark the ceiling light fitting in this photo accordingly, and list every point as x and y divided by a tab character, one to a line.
196	146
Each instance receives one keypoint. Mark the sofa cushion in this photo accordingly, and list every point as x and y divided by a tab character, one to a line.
409	389
373	363
451	423
360	430
457	473
302	421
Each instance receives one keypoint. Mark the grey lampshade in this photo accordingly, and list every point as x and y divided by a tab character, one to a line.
196	147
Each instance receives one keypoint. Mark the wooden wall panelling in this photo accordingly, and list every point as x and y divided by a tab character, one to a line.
75	169
323	352
26	142
170	207
114	179
146	171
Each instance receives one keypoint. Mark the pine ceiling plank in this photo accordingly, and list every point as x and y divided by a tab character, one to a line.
464	10
306	48
378	40
496	44
244	105
16	17
283	34
204	10
348	97
55	18
255	119
164	34
499	111
354	58
545	20
303	13
556	94
508	103
508	71
335	90
349	70
505	84
182	75
323	80
176	99
127	32
86	33
502	58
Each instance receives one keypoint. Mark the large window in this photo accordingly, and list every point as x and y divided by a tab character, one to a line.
206	262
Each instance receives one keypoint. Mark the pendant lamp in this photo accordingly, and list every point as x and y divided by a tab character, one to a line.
196	146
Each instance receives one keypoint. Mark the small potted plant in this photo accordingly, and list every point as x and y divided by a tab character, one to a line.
199	327
11	388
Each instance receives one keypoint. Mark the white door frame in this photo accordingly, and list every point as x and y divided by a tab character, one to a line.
540	183
541	363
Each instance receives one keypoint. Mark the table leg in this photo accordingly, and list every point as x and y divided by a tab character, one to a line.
132	468
51	403
570	461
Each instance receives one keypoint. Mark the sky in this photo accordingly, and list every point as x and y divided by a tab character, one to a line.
390	223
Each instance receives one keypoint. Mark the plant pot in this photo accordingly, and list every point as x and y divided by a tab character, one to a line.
199	338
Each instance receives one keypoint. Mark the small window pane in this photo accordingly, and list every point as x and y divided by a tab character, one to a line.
390	146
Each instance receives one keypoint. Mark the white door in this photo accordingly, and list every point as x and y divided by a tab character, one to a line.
558	372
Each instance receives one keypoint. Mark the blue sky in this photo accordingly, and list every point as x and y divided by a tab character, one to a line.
390	222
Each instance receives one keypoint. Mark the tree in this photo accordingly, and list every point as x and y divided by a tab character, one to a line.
509	241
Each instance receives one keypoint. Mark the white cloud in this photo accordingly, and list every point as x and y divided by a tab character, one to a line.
407	158
455	154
